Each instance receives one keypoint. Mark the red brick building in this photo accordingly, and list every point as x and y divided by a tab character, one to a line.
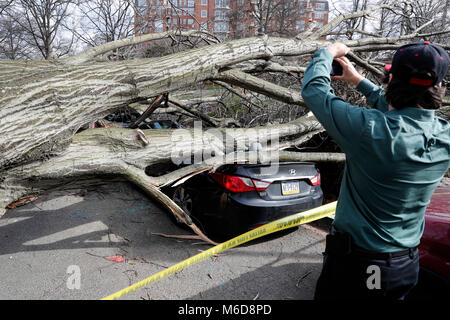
229	19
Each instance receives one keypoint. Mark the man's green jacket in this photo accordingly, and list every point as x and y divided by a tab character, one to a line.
395	160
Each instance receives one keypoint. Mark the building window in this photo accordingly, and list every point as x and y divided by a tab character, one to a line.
204	2
141	3
158	26
204	13
222	3
220	15
318	15
240	3
221	27
239	27
191	3
320	6
190	21
300	25
188	11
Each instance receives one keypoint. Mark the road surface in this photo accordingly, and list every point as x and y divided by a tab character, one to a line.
58	247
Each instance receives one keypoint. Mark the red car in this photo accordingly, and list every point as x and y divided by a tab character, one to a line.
434	249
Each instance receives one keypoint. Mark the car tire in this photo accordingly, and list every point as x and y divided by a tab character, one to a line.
183	198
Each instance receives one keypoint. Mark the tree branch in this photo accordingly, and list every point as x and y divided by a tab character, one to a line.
255	84
364	64
336	21
90	54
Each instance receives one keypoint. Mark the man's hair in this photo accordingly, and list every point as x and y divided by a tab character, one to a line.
401	94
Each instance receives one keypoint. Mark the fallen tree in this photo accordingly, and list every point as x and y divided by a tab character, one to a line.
43	104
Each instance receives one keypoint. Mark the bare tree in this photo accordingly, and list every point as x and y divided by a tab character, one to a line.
355	26
42	21
4	4
262	12
413	14
13	40
104	21
284	19
445	13
274	17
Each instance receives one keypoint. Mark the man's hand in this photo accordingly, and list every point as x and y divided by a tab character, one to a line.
349	73
338	49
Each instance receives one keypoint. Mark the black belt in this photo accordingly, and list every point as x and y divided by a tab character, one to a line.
356	250
383	255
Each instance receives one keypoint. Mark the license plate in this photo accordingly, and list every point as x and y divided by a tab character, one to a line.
291	187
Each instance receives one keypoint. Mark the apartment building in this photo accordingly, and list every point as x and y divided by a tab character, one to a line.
229	19
312	11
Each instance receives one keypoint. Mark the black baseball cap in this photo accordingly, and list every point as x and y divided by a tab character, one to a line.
415	58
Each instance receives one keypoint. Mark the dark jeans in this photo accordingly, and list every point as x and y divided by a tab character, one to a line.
352	275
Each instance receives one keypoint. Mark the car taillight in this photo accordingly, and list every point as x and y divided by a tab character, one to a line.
260	185
315	181
239	184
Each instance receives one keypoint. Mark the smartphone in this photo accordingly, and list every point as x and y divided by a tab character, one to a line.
337	69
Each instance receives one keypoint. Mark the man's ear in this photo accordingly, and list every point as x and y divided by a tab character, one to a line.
442	89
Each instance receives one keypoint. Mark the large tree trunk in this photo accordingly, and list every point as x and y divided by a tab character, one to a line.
43	103
112	153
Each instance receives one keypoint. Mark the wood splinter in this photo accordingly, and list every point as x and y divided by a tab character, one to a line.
141	135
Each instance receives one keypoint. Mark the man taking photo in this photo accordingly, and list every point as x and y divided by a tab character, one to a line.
396	154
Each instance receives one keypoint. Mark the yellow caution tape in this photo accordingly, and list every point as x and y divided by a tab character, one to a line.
274	226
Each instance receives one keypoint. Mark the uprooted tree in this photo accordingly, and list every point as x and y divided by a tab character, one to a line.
43	105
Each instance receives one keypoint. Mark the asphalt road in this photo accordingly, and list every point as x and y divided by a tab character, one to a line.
58	246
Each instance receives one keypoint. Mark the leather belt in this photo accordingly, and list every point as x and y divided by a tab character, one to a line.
377	255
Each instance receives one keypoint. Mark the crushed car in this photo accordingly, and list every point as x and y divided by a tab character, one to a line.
235	198
239	197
